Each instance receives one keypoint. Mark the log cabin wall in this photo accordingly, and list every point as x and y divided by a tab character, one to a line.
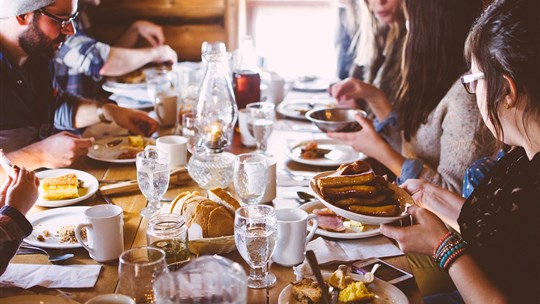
186	23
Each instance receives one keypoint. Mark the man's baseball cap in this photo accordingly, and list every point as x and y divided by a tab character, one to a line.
10	8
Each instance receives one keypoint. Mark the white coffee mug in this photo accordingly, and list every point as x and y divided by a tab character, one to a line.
175	146
105	232
292	239
270	191
165	106
110	298
245	137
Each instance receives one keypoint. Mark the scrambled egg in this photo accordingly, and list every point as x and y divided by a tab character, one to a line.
357	292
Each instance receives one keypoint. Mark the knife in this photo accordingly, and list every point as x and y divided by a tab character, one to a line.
312	260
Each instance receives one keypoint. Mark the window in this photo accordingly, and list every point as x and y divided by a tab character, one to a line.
297	37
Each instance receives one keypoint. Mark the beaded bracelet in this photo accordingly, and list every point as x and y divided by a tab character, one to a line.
450	247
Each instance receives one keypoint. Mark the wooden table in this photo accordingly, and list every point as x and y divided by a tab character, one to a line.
135	228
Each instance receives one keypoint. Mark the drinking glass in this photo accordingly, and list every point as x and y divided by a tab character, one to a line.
250	177
137	272
260	118
255	234
152	177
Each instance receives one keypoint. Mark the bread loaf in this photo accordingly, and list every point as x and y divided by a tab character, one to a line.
214	216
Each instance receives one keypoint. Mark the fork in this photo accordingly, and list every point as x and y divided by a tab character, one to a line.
53	257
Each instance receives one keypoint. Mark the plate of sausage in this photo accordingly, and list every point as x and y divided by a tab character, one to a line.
361	195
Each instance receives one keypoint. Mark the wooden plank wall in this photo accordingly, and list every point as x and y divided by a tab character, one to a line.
186	23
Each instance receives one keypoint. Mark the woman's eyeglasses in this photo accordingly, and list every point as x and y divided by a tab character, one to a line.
469	82
63	22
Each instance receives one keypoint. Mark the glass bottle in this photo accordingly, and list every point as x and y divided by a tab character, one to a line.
246	76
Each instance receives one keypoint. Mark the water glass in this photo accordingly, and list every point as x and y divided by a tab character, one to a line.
152	177
208	279
250	177
260	119
138	270
255	234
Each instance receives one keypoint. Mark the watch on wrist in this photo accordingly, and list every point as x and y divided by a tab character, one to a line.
101	116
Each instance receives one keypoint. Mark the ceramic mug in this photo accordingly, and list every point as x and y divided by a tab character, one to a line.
270	190
110	298
292	236
176	148
105	232
245	137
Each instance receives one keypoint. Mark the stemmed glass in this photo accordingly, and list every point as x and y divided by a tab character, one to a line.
255	234
260	118
250	177
152	177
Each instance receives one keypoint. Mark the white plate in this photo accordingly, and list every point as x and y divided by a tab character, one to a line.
312	84
297	108
340	153
89	186
386	292
399	194
51	220
110	155
38	299
111	85
348	234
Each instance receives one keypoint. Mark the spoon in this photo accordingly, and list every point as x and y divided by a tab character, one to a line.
370	276
52	257
293	176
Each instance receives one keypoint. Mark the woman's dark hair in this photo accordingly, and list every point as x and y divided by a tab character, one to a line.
433	56
505	41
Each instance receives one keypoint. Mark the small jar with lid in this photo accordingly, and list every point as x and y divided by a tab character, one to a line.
168	232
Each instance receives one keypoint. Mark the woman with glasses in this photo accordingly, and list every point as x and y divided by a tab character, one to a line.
495	258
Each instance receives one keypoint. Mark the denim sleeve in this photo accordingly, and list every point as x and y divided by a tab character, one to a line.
83	55
388	129
477	172
66	107
411	169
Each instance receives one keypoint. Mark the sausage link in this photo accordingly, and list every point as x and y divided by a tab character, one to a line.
387	210
334	193
346	180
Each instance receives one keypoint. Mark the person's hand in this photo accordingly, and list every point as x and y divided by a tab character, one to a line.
422	237
151	32
137	122
62	149
164	53
3	190
352	88
367	140
22	192
421	191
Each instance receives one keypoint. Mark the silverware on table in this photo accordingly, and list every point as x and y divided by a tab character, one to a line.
112	181
312	260
304	197
53	256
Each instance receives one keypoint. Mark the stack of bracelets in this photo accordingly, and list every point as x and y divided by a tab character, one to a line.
450	248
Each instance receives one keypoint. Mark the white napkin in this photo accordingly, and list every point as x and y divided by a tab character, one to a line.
50	276
328	252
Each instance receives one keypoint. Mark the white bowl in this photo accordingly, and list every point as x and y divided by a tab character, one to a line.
399	194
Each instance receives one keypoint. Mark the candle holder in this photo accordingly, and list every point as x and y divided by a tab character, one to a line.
215	117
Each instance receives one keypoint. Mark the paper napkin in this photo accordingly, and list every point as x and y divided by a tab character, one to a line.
50	276
328	252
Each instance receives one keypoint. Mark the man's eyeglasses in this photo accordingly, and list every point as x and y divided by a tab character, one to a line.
469	81
63	22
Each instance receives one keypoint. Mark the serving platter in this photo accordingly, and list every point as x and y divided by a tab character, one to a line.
400	195
350	233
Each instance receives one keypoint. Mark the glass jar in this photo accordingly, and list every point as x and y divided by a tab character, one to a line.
168	232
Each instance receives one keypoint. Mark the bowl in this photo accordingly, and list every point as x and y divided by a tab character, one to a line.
335	119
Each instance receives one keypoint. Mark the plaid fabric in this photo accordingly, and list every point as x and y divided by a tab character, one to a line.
14	227
78	63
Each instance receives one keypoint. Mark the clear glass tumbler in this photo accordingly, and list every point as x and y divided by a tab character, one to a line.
255	234
168	232
138	270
